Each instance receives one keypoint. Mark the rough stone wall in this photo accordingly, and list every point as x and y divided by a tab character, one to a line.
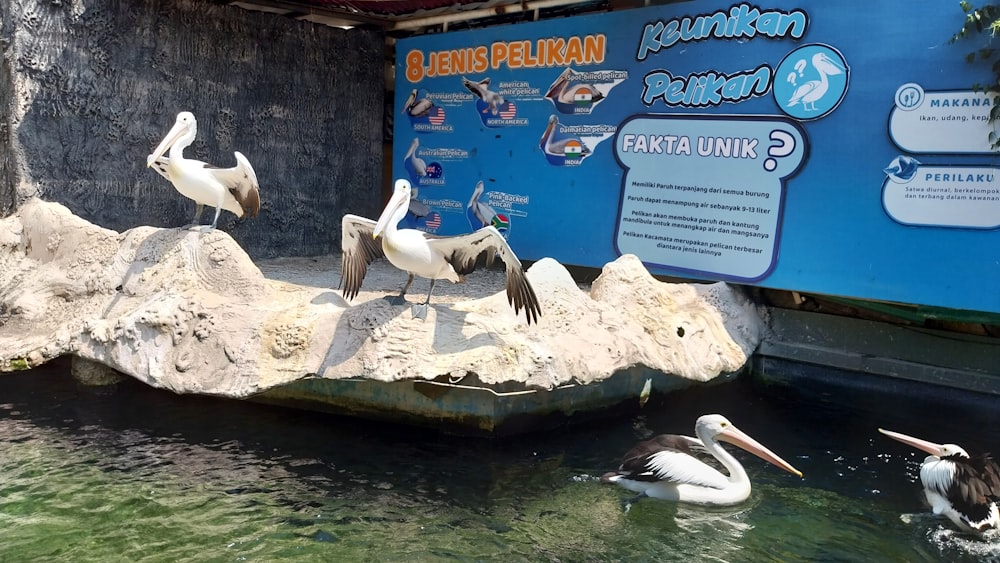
93	85
7	173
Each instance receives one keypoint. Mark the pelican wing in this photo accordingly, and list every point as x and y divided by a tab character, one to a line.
671	458
419	208
803	91
360	250
478	88
464	251
677	467
241	181
975	487
160	165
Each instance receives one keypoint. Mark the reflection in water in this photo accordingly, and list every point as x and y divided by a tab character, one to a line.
141	475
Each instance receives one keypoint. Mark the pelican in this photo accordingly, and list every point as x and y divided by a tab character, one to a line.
665	468
963	488
493	99
562	91
426	255
417	208
416	164
415	107
558	147
811	92
480	214
234	189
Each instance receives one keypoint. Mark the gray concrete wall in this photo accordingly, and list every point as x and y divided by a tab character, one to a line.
89	87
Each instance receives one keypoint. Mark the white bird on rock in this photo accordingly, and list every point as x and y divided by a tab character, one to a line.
234	189
965	489
665	468
426	255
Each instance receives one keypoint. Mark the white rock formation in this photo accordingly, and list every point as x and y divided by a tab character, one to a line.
187	310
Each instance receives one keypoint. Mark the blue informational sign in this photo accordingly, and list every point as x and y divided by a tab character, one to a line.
827	147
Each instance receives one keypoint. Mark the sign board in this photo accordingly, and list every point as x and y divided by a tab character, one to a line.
828	147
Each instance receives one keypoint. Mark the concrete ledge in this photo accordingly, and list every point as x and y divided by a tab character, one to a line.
917	354
470	407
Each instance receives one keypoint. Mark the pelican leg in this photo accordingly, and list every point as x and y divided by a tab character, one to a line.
627	503
197	213
400	299
420	311
218	211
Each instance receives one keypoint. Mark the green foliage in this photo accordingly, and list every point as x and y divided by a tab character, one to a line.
978	22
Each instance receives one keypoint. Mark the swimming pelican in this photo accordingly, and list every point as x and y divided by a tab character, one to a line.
414	162
811	92
493	99
963	488
415	107
664	467
234	189
563	91
480	214
426	255
558	147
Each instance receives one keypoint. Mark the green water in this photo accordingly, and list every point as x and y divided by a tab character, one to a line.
138	475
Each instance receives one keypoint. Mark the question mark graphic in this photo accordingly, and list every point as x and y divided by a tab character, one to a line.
800	65
783	146
791	78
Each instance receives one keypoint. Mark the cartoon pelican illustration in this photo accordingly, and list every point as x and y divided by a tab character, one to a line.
416	164
566	147
814	90
417	107
479	213
492	99
564	91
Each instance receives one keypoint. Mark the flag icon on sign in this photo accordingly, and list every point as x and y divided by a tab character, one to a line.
436	116
508	110
573	149
433	220
583	97
500	222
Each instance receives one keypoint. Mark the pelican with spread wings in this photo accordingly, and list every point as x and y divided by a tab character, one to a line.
426	255
234	189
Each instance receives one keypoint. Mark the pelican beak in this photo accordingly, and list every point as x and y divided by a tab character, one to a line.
922	445
736	437
400	199
175	133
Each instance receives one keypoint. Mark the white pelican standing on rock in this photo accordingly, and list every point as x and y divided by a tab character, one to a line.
963	488
234	189
665	468
426	255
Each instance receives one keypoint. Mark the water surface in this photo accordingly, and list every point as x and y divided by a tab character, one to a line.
134	474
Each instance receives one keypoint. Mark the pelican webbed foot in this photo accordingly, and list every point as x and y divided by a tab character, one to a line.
627	503
419	311
396	300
